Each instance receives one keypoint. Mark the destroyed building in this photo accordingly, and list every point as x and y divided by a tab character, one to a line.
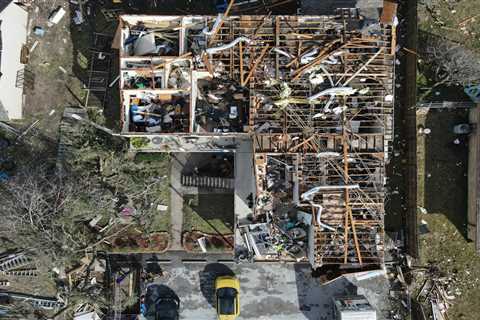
304	102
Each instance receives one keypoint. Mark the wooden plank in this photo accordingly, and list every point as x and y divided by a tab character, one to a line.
389	12
257	61
394	40
225	15
277	44
320	58
240	48
365	65
348	213
207	63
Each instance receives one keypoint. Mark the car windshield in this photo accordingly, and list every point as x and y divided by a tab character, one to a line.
166	309
226	300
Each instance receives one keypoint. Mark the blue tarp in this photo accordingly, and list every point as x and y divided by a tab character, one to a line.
473	92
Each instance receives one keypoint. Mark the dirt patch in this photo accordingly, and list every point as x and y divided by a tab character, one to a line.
51	62
213	243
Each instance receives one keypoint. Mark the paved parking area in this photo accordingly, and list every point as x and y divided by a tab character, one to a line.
268	290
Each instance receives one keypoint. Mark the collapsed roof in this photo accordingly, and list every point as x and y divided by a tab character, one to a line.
313	93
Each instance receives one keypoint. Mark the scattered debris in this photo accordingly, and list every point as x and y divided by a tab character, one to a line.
56	16
39	31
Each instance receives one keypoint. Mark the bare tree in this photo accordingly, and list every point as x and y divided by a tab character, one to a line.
49	214
451	63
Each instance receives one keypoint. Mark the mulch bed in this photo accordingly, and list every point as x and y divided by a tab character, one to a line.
214	242
155	242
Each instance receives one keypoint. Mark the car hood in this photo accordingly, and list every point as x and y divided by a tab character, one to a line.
227	317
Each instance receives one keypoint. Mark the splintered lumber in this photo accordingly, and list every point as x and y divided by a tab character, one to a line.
394	40
257	61
148	114
183	56
306	141
308	135
255	33
207	63
348	213
363	67
325	53
277	44
409	51
225	15
240	48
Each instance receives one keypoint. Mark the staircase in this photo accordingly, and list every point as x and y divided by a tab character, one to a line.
14	261
208	182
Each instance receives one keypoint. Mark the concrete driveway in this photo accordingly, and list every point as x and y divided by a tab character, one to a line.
268	290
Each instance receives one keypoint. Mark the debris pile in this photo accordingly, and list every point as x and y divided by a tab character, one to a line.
313	93
437	292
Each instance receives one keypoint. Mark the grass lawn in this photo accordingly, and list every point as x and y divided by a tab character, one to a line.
157	165
442	190
161	222
452	253
209	213
442	167
456	20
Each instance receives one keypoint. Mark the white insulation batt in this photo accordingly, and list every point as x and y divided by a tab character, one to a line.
13	27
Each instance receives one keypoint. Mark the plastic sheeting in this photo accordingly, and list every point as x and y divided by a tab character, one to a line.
228	45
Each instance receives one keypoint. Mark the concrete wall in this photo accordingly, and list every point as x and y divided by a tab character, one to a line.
14	35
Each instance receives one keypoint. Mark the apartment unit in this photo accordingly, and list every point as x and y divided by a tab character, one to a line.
304	102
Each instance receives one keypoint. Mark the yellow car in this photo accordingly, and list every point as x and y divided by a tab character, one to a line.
227	291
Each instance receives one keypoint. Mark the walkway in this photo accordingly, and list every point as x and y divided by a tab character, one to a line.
176	201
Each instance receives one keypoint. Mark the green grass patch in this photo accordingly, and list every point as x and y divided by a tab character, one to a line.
445	167
442	190
457	21
209	213
161	221
446	246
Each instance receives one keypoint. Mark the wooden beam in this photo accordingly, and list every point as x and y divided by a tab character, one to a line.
301	144
257	61
394	40
277	44
240	48
409	51
363	67
324	53
207	63
161	65
225	15
348	213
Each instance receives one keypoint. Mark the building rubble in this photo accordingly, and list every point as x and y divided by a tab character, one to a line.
83	282
313	94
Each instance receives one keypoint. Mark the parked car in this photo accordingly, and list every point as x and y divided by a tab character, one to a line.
227	289
167	308
463	128
160	303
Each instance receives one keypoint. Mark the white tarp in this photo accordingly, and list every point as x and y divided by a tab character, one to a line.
86	316
145	45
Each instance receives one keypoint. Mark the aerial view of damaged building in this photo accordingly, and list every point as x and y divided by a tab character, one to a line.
301	105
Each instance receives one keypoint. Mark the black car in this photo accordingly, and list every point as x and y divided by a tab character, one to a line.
167	309
161	303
